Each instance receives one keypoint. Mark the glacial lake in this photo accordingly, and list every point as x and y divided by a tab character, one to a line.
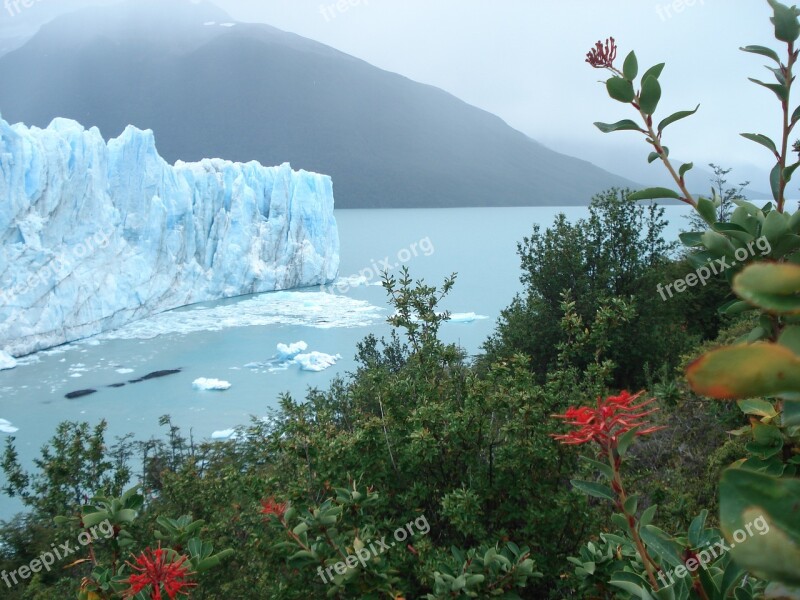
236	340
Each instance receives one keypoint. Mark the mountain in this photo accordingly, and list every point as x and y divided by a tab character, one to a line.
19	23
210	87
95	235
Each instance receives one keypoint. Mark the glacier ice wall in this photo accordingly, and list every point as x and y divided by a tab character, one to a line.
94	235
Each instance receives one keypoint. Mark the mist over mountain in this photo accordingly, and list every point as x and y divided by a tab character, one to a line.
209	87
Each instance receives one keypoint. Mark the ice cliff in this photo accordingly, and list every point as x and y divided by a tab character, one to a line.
94	235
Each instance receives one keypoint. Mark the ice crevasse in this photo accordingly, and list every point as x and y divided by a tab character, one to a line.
94	235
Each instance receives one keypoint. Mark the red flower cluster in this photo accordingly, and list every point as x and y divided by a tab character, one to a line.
154	569
602	57
613	417
271	507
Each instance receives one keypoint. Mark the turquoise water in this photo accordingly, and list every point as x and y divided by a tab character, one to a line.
479	244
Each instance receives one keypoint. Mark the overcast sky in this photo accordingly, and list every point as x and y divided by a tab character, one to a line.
524	61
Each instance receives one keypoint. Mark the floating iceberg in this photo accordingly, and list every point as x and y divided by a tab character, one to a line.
295	354
225	434
7	427
210	384
290	351
316	361
6	361
468	317
96	235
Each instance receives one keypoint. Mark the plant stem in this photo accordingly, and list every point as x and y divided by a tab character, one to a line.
787	127
649	564
687	197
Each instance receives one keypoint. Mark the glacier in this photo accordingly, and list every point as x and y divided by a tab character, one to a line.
96	235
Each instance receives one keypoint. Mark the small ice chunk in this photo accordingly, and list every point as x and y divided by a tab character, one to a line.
124	371
225	434
316	361
290	351
467	317
7	361
7	427
210	384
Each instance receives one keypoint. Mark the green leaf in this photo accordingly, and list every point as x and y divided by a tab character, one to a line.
126	515
648	515
697	527
746	371
791	413
763	51
707	210
776	225
626	440
631	504
731	576
768	438
757	407
662	545
620	521
631	67
734	231
718	244
763	140
650	95
654	71
598	466
791	338
788	172
676	117
638	591
775	181
778	73
596	490
653	157
624	125
692	239
781	91
654	193
93	519
769	506
735	307
773	287
787	29
685	168
620	89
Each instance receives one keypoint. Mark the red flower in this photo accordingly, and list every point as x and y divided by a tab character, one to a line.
271	507
602	57
613	417
156	569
